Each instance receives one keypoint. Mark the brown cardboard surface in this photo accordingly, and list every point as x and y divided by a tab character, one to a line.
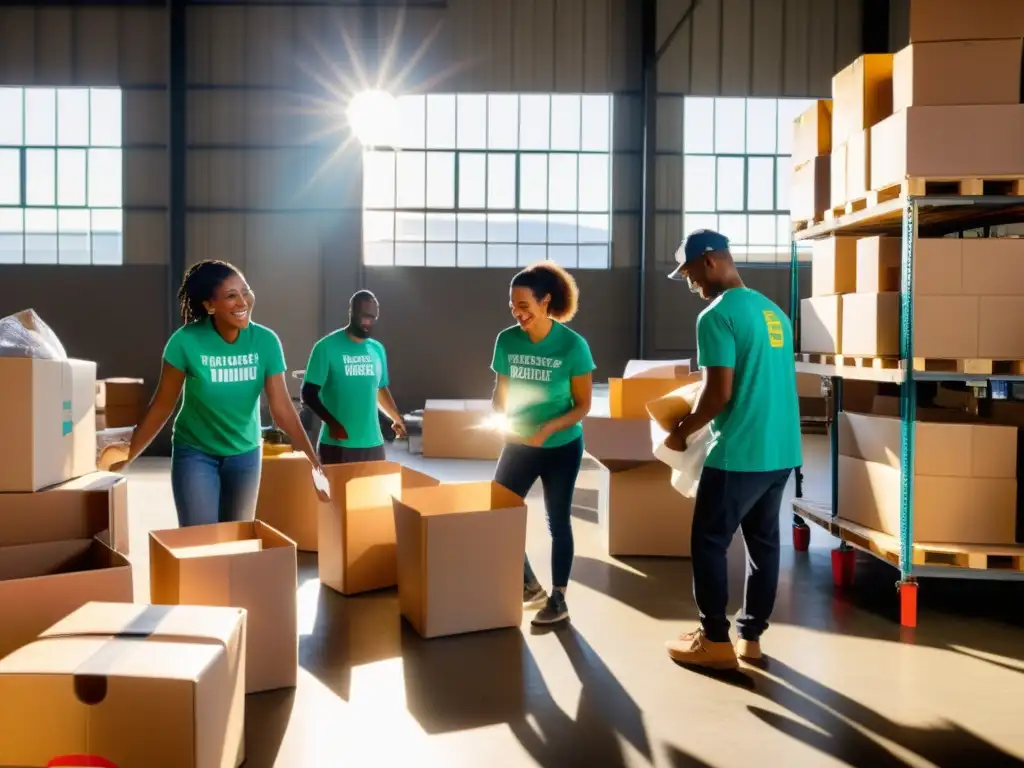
939	266
263	583
932	20
628	398
657	369
114	417
861	95
871	324
618	439
47	422
810	189
40	583
858	165
666	411
957	73
808	386
994	266
1001	328
287	499
357	529
837	175
460	558
137	685
948	142
812	132
878	264
452	430
821	324
833	266
121	393
947	326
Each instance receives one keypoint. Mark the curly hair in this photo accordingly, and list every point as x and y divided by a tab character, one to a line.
200	283
546	278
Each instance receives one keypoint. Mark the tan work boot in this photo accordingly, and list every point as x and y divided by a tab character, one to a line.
748	650
695	649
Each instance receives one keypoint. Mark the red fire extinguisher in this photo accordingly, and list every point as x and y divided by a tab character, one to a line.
80	761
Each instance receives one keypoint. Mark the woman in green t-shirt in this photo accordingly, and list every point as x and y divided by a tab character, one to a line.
223	361
544	386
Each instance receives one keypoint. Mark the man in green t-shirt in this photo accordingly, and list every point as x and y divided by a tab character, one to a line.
345	384
749	401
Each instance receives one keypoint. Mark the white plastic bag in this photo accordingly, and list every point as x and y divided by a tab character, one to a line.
686	465
24	334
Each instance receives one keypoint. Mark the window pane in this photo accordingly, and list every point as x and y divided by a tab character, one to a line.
440	179
73	237
597	121
378	226
410	227
565	255
533	228
409	254
502	121
71	177
594	257
501	181
565	122
762	230
562	183
379	179
472	122
105	117
699	183
594	185
533	182
440	122
12	240
11	123
441	254
10	177
783	179
40	116
761	184
534	122
105	178
761	126
694	221
730	126
734	227
73	117
595	229
729	192
699	125
41	177
41	236
472	255
472	180
789	110
412	180
531	254
379	254
563	229
107	236
501	228
501	255
472	228
441	226
412	130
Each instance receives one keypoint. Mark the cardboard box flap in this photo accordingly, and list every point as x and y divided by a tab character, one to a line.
656	369
57	558
670	409
205	535
460	498
413	479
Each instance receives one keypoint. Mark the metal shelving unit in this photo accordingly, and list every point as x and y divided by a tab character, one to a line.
907	217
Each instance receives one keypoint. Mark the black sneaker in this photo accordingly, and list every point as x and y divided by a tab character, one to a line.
534	596
554	612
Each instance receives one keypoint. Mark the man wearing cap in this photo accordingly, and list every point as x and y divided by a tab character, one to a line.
745	348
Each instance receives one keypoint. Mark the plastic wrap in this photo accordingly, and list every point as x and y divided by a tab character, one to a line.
24	334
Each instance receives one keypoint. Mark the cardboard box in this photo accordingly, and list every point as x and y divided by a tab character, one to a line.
861	96
948	142
119	416
618	438
939	266
957	73
871	324
1001	328
287	499
628	398
121	393
262	582
810	189
40	583
833	266
808	386
47	422
812	132
965	487
93	505
137	685
358	551
995	266
821	324
454	429
947	326
460	558
837	175
858	165
879	264
657	369
935	20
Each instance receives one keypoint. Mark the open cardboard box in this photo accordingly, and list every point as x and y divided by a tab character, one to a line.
357	529
243	565
629	395
287	499
452	430
137	685
460	557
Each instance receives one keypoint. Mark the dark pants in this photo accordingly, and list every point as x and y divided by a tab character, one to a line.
519	467
336	454
726	501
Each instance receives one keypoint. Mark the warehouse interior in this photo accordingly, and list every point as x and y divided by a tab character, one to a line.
223	135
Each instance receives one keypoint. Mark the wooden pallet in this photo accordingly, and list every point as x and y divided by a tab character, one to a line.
799	225
857	204
966	186
970	366
850	361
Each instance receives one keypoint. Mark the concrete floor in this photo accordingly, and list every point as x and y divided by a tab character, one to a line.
842	685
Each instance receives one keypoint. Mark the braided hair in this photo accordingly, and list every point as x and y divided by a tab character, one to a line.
200	283
546	278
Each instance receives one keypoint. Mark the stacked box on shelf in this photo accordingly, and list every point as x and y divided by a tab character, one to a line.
120	402
833	273
810	182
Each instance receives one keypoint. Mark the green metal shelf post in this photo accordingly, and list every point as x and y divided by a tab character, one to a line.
908	412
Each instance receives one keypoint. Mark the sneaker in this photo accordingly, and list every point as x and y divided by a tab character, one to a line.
553	612
695	649
748	650
534	596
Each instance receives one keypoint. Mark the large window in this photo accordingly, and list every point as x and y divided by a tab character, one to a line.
499	180
60	176
736	172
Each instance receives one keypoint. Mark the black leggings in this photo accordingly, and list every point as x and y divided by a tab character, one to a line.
519	467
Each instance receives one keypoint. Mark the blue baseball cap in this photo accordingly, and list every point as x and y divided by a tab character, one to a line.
696	244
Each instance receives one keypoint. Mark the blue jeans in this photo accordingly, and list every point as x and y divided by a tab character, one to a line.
214	489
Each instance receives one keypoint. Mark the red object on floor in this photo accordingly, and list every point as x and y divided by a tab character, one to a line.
801	537
908	603
844	561
80	761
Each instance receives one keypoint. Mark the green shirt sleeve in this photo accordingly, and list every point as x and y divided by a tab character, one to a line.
273	355
716	345
318	366
582	361
174	351
499	363
384	379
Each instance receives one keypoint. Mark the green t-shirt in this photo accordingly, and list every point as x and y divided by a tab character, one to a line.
349	374
220	413
539	377
759	430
